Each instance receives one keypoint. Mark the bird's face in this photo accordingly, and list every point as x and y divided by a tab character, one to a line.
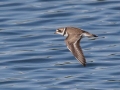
60	31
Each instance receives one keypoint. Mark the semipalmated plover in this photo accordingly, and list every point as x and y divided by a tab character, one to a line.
73	36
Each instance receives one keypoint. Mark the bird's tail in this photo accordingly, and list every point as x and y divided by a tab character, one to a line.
87	34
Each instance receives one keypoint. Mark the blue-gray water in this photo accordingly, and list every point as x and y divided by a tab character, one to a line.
33	58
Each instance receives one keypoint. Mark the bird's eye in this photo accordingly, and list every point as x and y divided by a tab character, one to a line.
59	30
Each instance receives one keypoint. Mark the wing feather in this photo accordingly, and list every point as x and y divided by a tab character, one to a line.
73	45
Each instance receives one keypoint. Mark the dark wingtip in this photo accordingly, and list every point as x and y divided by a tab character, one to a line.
84	64
95	35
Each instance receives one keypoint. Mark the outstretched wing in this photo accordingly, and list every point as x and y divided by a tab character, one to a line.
73	45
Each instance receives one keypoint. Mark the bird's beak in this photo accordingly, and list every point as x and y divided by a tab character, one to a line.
55	33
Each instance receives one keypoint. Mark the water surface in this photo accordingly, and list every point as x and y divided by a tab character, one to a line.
33	58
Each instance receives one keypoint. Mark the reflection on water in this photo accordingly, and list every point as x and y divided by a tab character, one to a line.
32	57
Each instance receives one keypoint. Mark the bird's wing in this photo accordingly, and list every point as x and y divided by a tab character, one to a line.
73	45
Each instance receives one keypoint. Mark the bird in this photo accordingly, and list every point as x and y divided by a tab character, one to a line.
73	36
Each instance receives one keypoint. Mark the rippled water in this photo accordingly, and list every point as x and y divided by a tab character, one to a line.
33	58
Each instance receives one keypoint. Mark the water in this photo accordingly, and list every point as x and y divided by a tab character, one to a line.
33	58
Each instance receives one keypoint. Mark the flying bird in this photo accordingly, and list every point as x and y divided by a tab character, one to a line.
73	36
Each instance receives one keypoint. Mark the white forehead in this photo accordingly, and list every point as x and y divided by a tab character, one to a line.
57	30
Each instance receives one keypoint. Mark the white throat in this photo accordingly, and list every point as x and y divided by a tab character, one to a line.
66	34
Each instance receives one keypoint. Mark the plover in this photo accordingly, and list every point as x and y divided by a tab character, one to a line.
73	36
